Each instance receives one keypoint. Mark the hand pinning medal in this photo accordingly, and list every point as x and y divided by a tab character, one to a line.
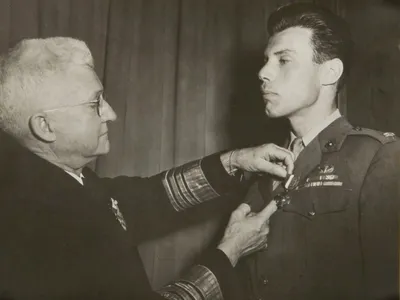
289	184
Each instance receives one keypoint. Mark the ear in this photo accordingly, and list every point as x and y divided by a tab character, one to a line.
330	71
41	128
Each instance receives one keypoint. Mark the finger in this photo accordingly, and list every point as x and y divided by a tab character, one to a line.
289	163
283	155
272	168
265	230
262	246
267	212
278	152
242	210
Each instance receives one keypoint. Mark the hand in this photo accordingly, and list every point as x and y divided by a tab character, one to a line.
246	232
267	158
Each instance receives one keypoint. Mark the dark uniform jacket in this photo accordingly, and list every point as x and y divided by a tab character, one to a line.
61	240
338	236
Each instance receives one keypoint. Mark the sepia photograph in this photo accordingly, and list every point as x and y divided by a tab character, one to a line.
199	149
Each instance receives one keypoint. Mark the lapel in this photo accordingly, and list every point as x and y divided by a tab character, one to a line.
329	140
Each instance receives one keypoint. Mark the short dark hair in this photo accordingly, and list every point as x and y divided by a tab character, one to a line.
331	36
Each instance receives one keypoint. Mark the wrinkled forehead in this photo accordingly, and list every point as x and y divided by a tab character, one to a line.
295	40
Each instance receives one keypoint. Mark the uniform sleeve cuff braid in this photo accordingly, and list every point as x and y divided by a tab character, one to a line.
199	284
187	186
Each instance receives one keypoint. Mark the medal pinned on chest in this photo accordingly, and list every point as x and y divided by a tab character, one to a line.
117	213
291	182
281	200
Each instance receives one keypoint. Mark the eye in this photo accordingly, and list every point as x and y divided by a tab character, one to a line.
283	61
95	104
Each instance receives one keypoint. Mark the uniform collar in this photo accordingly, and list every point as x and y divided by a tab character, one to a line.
332	137
76	177
311	134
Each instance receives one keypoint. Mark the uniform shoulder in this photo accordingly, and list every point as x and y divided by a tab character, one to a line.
380	136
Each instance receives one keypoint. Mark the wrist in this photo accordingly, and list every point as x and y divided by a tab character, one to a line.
230	253
229	161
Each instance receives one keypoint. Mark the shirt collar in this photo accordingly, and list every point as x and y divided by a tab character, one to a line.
78	178
311	134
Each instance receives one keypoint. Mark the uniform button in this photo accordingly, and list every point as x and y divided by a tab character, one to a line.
311	213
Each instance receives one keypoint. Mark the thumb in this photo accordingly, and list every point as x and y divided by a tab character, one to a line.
242	210
267	212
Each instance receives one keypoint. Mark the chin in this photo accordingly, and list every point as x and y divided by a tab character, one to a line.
104	148
272	114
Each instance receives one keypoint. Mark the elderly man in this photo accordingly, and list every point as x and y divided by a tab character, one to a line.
67	234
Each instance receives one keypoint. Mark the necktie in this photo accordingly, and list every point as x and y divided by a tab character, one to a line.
296	147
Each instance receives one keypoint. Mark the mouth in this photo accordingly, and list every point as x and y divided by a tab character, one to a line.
103	134
267	95
266	91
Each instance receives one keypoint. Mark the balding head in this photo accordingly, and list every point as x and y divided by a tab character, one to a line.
29	76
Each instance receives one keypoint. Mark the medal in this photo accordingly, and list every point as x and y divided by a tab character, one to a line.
281	200
291	182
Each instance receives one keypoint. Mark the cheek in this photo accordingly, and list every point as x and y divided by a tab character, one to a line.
299	84
86	130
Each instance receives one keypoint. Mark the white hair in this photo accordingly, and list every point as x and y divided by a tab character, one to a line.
25	74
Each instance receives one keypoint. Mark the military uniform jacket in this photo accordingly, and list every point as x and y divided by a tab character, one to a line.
338	236
62	240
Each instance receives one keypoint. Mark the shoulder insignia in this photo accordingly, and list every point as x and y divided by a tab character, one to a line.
383	137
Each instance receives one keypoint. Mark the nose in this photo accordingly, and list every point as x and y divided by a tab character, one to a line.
268	72
108	114
265	74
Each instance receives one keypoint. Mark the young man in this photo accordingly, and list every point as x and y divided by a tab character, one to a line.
337	236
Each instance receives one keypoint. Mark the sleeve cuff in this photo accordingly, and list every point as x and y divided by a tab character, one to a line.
229	281
217	176
198	284
213	278
199	181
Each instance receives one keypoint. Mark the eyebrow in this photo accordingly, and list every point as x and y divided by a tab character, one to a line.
283	51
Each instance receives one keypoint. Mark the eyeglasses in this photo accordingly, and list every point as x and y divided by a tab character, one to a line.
98	104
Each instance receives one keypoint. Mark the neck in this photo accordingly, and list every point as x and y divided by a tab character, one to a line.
49	155
303	121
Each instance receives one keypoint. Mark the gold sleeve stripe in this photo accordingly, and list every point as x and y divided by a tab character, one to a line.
187	186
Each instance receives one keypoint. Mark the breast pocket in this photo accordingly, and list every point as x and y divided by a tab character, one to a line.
315	201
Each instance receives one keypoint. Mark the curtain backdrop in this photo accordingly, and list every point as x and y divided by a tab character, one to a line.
182	77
